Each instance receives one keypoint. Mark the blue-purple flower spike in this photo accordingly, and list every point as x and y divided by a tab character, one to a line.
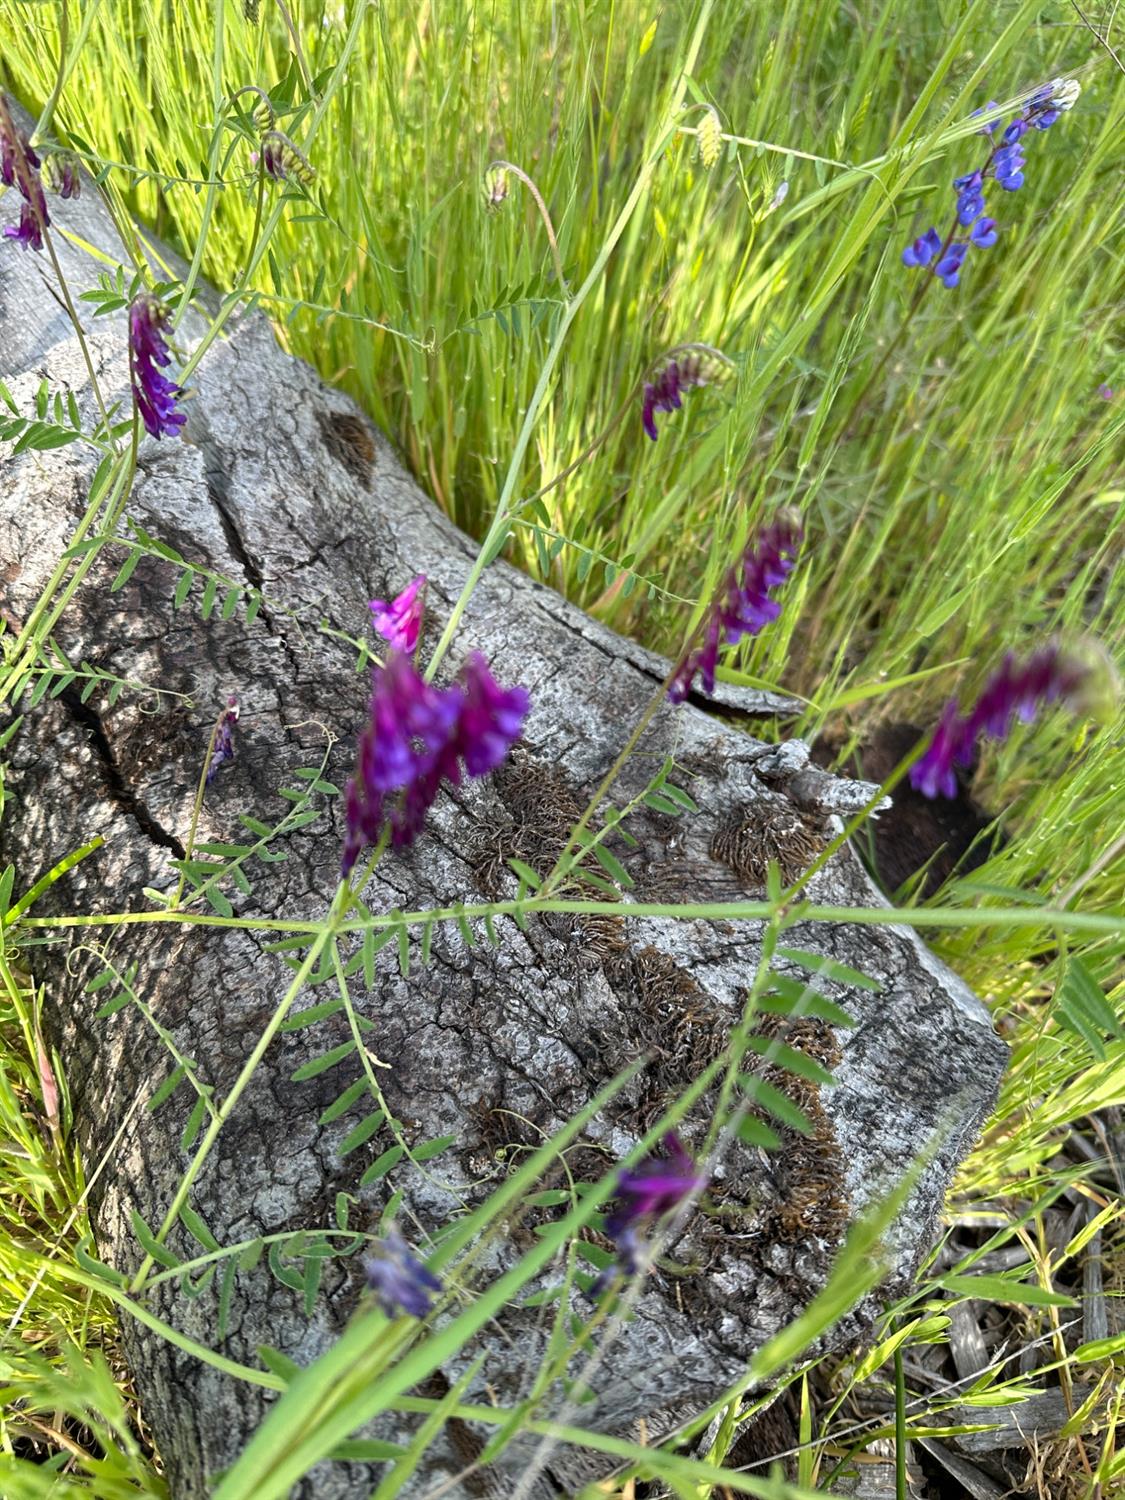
224	738
399	1280
743	605
19	168
419	736
658	1186
687	367
1005	166
1080	678
154	393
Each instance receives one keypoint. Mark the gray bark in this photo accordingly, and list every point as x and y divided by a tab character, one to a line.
281	483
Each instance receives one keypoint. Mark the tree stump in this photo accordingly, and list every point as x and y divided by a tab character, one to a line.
281	485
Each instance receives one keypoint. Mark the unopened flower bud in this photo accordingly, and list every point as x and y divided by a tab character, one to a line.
282	159
1064	92
61	171
710	138
496	188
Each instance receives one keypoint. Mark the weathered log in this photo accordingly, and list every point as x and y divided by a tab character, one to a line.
281	484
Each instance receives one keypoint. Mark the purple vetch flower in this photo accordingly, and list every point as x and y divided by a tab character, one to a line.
684	368
1080	677
399	1280
923	250
282	158
488	722
1105	391
19	168
419	736
62	173
934	774
1004	165
154	393
224	737
491	718
657	1186
743	606
400	621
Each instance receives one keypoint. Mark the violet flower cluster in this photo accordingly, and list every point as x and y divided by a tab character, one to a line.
399	1280
743	605
1014	692
418	737
19	168
400	621
1004	166
223	750
656	1187
154	393
692	365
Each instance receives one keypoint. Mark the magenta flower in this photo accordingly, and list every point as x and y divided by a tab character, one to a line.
400	621
400	1281
743	606
1105	391
658	1186
934	774
19	168
224	739
1014	691
154	393
654	1188
418	737
692	365
491	718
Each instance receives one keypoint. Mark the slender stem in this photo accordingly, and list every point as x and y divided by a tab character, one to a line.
746	140
552	239
298	50
231	301
497	531
33	630
563	864
217	102
198	805
900	1427
32	193
60	73
256	227
1048	918
238	1088
623	411
81	337
606	432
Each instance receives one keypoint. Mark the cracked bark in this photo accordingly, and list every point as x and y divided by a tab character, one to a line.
492	1046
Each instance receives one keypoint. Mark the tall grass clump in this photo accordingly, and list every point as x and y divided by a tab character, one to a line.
627	289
